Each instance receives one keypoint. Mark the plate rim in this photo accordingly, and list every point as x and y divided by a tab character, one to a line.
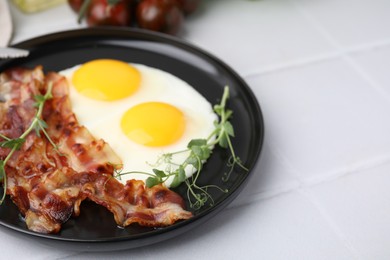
176	42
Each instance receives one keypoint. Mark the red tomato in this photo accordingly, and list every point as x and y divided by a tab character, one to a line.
188	6
160	15
75	4
100	12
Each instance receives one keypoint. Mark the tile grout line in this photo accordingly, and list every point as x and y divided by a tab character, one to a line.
291	64
367	77
305	184
368	46
329	220
296	63
357	167
311	182
302	189
344	55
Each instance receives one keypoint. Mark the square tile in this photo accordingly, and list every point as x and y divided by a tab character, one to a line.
275	33
351	22
376	62
323	118
359	205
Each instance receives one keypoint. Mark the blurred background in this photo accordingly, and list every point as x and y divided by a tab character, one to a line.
320	72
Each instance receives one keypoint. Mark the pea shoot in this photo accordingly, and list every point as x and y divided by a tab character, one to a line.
198	150
37	124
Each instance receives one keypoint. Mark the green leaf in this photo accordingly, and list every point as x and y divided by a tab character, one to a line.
218	109
39	125
176	182
223	141
206	153
13	143
2	170
39	99
192	160
197	150
180	176
197	142
37	130
42	123
228	114
228	127
152	181
160	174
218	127
200	149
201	153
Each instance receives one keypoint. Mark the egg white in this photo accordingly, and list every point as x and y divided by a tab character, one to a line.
102	119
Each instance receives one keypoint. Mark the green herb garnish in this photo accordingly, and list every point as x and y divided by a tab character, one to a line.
37	124
198	150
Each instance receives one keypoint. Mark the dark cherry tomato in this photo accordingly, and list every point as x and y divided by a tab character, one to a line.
188	6
160	15
75	4
100	12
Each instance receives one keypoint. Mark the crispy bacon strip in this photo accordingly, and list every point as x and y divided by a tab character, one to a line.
47	185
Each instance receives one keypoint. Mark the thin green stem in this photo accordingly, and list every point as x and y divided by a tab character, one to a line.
5	138
4	185
134	172
4	174
32	126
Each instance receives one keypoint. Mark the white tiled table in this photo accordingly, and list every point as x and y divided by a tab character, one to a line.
321	72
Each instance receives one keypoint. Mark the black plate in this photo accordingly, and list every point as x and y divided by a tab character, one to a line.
95	228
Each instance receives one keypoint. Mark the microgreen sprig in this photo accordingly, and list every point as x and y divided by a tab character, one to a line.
198	150
37	124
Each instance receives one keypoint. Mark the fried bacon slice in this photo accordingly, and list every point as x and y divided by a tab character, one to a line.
48	184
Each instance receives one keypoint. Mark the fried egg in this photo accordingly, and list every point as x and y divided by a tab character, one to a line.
140	111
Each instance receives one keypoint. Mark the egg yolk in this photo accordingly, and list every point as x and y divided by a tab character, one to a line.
153	124
106	79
